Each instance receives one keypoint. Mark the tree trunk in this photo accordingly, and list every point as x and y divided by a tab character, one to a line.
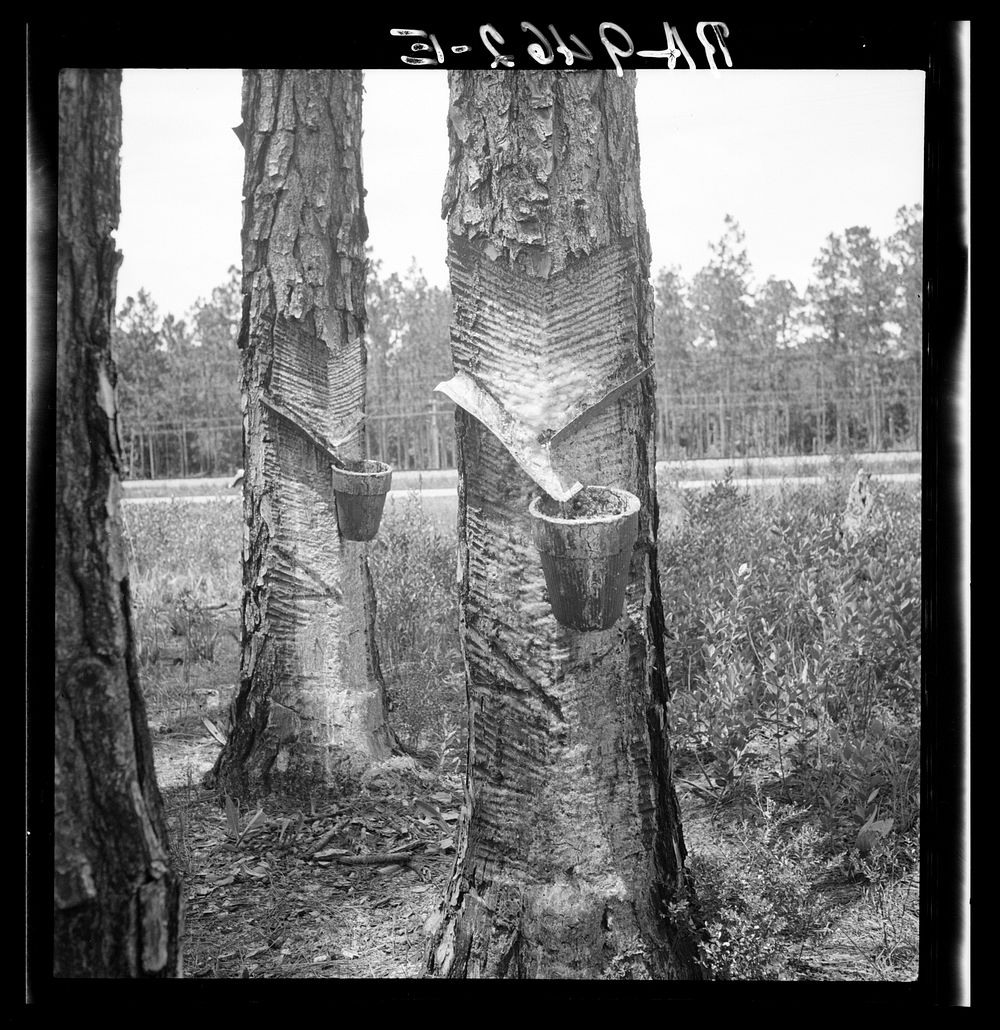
435	442
570	848
311	700
724	397
117	898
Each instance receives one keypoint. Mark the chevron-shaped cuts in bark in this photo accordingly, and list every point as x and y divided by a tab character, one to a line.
537	354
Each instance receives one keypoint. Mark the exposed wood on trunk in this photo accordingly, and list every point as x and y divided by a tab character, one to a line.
117	909
570	848
311	700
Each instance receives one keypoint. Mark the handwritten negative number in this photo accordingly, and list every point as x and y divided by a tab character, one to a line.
544	50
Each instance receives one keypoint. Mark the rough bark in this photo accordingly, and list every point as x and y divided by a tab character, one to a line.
311	699
117	899
570	849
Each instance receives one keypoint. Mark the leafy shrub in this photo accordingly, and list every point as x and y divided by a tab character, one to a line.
795	654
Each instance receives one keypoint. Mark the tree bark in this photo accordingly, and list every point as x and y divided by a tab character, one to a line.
117	910
570	851
311	700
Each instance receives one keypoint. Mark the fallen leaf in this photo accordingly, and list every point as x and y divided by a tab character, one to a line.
419	888
870	833
254	819
214	730
232	817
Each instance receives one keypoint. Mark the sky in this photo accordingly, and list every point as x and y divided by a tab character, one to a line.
792	155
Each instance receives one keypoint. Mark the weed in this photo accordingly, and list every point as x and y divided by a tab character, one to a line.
239	827
184	562
181	848
885	867
413	568
629	962
756	896
448	743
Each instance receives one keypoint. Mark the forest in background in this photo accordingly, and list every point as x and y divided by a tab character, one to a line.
743	369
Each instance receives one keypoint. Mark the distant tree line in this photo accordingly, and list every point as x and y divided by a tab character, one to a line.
742	369
409	353
178	386
745	369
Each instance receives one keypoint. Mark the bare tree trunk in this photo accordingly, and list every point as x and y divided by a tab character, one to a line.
435	442
311	698
117	898
570	848
723	436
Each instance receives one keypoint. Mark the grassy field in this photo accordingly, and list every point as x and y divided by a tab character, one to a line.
794	663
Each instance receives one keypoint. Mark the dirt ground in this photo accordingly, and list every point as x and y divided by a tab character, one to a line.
324	887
